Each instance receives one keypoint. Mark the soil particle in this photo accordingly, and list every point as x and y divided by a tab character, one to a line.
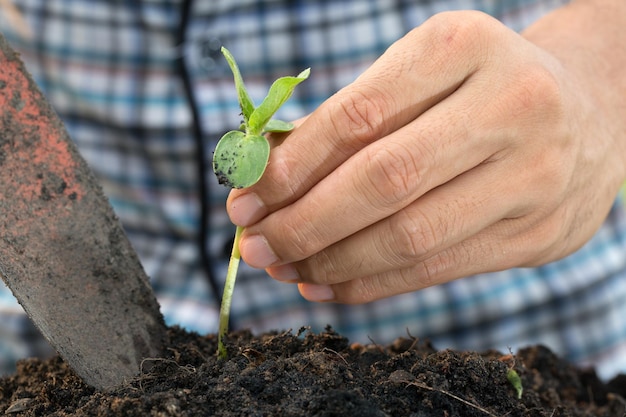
306	374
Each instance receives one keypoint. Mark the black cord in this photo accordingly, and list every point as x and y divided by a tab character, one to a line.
201	160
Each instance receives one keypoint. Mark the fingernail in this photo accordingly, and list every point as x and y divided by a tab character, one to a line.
284	273
316	292
256	252
246	209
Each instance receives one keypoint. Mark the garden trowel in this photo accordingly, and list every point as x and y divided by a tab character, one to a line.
63	252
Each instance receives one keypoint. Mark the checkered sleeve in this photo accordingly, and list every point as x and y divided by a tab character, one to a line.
145	93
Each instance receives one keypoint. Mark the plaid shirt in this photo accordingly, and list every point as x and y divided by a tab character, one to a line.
145	93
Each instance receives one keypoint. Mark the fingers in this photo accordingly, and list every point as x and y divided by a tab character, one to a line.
376	182
414	74
463	259
490	250
493	193
430	225
507	187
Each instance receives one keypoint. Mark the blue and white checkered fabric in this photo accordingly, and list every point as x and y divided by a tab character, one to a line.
128	77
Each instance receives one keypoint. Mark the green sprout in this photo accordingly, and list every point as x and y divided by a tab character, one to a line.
240	159
515	380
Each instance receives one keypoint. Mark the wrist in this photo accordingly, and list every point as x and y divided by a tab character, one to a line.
586	38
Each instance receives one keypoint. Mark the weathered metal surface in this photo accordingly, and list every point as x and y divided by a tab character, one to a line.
63	252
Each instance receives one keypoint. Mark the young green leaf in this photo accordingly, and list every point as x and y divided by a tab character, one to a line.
239	160
278	126
245	102
280	91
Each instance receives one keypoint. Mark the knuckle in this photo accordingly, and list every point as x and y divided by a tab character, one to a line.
546	241
302	242
391	175
362	113
448	264
430	270
457	33
278	171
362	291
536	92
417	236
280	175
323	267
554	179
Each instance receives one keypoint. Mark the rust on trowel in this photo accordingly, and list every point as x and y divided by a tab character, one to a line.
63	252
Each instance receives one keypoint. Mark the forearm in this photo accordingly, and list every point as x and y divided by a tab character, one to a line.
587	38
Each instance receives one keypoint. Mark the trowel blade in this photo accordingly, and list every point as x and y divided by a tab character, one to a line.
63	252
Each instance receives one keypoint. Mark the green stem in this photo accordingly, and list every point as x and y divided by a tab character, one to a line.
229	286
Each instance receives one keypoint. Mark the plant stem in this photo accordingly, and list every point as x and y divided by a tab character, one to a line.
229	286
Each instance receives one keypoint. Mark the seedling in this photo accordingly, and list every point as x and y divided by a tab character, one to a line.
240	159
511	375
515	380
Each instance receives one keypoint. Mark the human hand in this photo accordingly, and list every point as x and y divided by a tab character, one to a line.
465	148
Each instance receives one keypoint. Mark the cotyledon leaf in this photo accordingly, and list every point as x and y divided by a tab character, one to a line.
239	160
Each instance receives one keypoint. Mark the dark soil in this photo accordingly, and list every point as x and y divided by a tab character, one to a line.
305	374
